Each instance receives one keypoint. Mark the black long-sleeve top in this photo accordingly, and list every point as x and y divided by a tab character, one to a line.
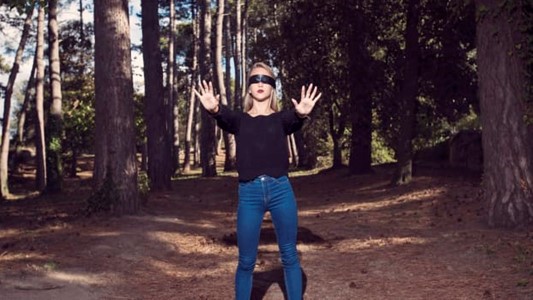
262	147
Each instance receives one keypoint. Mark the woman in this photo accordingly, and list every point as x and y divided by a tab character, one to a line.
262	164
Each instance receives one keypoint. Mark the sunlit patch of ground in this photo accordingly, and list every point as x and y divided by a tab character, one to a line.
359	238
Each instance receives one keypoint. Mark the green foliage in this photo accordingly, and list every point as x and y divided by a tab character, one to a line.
54	134
143	186
381	153
4	68
140	125
469	121
78	88
19	5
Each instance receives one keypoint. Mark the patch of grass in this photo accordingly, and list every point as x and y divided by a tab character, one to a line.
50	266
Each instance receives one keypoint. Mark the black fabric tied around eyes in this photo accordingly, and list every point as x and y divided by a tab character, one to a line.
262	78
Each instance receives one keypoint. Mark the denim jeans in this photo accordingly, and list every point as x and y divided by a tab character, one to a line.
256	197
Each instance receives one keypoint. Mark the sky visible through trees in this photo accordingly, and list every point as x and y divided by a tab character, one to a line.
10	36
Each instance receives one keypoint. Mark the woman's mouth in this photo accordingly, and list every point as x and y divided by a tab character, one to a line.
260	91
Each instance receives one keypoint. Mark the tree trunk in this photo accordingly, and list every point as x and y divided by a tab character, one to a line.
293	151
361	102
407	98
197	134
507	138
192	97
40	146
19	139
171	88
74	163
230	162
6	122
54	124
305	150
155	108
336	134
115	161
239	85
243	30
207	139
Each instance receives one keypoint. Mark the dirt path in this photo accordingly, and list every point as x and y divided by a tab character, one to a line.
359	239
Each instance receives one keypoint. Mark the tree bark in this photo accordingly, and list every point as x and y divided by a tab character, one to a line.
407	97
6	122
507	138
336	129
230	162
54	124
19	139
192	97
244	58
239	89
40	146
171	88
361	102
115	161
207	139
155	108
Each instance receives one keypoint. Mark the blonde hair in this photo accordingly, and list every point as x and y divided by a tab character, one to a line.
249	101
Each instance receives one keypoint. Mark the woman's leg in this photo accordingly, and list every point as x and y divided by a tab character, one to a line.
250	214
284	213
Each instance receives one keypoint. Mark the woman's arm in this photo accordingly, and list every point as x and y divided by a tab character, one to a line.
227	119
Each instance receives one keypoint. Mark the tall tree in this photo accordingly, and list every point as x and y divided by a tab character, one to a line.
40	146
54	124
238	57
6	122
115	168
229	161
361	101
244	41
156	112
229	139
21	120
208	139
407	97
503	91
192	97
172	89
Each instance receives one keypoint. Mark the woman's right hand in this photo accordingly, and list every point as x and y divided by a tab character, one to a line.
207	97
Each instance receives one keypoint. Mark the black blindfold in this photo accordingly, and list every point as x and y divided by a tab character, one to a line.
262	78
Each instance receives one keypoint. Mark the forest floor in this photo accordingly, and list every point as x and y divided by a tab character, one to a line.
359	238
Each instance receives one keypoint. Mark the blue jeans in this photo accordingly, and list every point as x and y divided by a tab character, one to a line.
257	196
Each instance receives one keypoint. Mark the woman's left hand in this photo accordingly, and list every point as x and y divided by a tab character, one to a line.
307	101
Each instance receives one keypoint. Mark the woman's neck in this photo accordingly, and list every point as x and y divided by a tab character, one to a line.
260	109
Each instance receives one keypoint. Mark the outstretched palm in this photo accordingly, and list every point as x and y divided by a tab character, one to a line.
308	100
206	95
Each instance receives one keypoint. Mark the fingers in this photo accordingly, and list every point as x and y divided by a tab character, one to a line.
312	96
196	93
318	97
310	92
205	87
294	102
